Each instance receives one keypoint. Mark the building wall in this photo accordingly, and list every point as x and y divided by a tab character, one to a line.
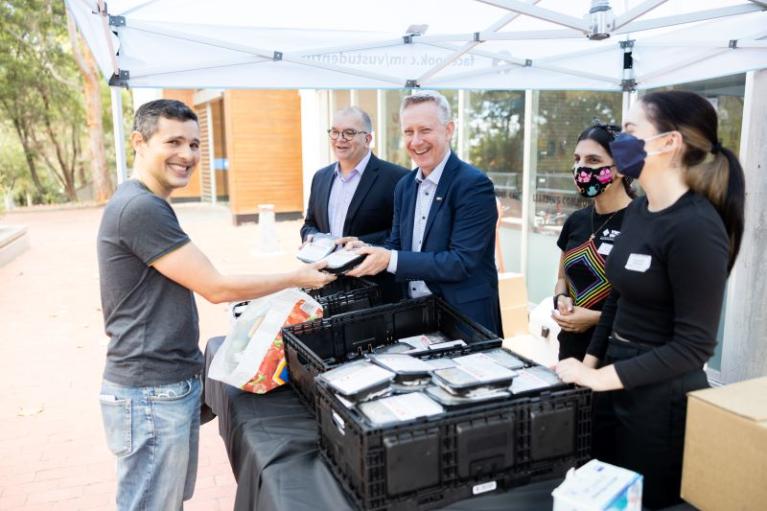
219	147
263	145
192	190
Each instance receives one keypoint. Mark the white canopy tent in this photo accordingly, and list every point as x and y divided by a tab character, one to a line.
611	45
445	44
487	44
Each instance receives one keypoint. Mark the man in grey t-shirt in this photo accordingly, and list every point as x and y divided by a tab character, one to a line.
149	269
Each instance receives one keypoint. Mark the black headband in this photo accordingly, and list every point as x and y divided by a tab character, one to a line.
610	129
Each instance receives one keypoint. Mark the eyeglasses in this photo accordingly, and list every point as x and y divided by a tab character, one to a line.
345	134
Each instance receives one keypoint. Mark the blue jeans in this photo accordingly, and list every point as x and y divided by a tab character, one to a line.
154	432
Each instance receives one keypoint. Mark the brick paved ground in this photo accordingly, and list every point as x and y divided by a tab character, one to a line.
52	450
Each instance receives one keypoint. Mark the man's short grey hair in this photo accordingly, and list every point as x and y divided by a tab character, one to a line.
367	124
423	96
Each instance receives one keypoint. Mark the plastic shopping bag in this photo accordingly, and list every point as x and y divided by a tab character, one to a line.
252	356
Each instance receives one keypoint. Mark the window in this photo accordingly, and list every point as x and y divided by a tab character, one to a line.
726	95
494	124
559	118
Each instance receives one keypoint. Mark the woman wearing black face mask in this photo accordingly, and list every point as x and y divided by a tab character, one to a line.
587	239
668	270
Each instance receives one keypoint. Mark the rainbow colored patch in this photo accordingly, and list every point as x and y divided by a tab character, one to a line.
588	256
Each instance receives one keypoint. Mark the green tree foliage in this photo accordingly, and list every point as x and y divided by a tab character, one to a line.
40	94
562	116
495	124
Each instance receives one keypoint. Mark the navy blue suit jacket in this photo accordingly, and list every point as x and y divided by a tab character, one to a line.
457	257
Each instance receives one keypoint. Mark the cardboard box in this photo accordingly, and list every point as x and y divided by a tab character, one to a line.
725	448
514	320
599	486
512	292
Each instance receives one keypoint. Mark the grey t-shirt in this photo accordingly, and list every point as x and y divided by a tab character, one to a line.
151	321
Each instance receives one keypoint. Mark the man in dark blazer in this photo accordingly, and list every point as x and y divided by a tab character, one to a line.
443	232
354	197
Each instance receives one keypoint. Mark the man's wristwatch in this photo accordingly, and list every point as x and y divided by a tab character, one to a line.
556	299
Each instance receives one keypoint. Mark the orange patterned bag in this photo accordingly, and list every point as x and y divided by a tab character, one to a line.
252	356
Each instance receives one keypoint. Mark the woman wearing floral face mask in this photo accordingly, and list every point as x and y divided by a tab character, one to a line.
587	239
668	270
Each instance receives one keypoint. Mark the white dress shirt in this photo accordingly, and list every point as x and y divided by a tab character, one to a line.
427	187
342	193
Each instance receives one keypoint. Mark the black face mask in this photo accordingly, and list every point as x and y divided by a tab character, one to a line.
592	181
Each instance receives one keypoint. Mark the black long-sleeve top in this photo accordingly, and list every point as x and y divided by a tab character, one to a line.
668	270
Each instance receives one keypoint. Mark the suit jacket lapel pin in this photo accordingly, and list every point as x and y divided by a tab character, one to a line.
438	199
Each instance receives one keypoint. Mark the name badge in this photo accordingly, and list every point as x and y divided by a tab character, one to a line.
605	249
638	262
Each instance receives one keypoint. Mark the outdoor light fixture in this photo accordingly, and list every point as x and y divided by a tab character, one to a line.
601	20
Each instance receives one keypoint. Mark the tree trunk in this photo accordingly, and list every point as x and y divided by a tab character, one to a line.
29	156
67	175
102	179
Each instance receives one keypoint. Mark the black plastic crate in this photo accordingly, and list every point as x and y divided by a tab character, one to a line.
316	346
345	294
431	462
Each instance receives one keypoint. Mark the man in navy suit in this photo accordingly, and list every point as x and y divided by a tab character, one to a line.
354	197
443	232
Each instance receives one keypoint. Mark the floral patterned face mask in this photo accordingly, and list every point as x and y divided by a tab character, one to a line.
592	181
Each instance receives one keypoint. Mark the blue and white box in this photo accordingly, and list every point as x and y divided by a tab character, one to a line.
599	486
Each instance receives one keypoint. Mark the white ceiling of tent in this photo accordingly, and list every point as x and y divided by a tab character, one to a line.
491	44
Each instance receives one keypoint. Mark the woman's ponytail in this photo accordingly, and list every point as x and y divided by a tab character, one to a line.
713	171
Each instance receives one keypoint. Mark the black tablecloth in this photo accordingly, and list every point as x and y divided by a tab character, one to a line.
272	445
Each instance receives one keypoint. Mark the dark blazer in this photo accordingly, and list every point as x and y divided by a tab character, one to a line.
457	257
370	212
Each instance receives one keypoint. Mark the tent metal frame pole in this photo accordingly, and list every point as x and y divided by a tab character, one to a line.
524	63
468	46
384	43
578	53
505	57
102	12
730	44
609	79
267	54
213	64
119	133
681	19
136	8
540	13
663	71
634	13
502	36
155	28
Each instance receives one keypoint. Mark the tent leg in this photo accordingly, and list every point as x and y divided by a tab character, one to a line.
529	164
119	134
628	100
